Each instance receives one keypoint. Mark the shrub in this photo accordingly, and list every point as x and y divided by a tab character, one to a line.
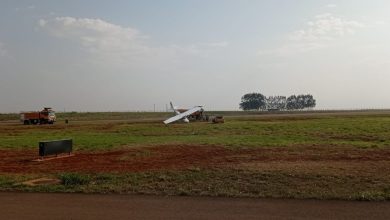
71	179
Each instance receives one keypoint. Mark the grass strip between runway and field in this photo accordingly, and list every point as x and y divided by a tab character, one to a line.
215	182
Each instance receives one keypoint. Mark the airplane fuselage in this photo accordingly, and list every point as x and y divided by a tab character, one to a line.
186	115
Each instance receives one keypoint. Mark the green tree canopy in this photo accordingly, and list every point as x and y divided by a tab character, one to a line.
257	101
300	102
253	101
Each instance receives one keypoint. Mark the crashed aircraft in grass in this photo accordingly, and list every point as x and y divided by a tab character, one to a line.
185	115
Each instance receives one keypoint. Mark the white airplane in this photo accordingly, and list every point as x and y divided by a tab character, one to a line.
182	114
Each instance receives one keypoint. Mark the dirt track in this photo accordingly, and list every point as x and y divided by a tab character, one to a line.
79	206
183	157
187	156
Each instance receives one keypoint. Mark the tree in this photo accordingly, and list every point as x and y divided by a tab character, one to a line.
309	101
253	101
291	102
276	102
300	102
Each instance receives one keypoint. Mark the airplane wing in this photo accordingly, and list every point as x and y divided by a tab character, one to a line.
182	115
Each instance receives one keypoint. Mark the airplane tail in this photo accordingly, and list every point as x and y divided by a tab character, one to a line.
174	109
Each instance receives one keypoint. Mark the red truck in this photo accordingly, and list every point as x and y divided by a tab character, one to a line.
46	116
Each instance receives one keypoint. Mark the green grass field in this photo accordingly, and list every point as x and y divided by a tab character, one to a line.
314	140
362	131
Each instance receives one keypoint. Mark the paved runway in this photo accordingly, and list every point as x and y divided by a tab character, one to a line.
87	206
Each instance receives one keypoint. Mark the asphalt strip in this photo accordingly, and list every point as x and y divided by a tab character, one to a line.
17	205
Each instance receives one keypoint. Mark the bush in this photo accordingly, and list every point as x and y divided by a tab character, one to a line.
71	179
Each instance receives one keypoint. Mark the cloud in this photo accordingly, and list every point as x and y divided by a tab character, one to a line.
331	6
317	34
116	44
25	8
96	35
326	27
42	22
199	49
3	51
380	22
217	44
292	48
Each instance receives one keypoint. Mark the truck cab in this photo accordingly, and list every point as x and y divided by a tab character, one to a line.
48	115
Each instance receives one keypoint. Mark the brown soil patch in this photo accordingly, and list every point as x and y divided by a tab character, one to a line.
188	156
42	181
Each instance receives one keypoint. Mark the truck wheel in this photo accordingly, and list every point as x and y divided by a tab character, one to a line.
26	122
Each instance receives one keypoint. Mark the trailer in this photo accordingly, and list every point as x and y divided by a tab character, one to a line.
46	116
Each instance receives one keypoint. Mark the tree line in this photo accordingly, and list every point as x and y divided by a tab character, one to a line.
257	101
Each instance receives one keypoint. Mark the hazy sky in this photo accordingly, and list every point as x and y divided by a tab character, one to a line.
132	55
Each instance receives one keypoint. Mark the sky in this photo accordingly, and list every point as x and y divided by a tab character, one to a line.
91	55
